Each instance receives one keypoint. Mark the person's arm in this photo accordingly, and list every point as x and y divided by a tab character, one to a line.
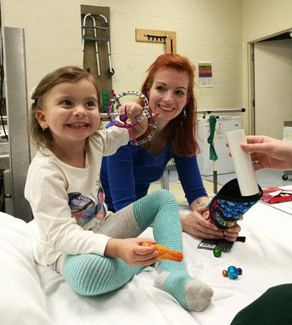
267	152
121	178
191	180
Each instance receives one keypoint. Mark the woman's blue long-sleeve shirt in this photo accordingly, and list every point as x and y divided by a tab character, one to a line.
126	175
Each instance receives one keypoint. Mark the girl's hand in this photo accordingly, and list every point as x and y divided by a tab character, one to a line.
132	109
130	251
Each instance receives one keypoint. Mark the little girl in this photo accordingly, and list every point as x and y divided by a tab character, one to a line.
95	251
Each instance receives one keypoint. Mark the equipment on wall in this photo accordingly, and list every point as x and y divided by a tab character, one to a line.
167	38
84	37
110	69
96	39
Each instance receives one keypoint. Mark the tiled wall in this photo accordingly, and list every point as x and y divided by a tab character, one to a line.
206	30
215	30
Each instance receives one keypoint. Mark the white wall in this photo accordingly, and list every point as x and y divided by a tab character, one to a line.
206	30
273	86
261	19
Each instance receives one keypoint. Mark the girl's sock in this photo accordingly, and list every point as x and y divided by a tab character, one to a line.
192	294
161	209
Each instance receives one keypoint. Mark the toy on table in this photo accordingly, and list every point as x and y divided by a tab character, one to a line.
238	195
276	195
232	272
217	252
146	112
166	253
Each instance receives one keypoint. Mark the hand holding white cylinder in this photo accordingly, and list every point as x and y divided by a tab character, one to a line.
242	163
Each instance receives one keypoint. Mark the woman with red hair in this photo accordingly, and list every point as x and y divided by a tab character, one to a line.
126	175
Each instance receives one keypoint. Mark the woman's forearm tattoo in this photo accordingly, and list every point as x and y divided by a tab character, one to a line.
200	203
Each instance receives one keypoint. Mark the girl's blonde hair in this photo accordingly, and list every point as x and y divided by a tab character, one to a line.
40	137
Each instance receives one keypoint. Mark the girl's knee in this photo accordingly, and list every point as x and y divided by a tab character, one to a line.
164	196
83	274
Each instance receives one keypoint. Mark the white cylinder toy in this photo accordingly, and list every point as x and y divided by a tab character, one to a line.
242	163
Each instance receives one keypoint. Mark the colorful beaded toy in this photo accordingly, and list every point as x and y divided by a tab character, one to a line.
146	112
232	272
228	206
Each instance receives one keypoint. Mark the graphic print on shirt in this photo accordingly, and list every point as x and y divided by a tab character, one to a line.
83	208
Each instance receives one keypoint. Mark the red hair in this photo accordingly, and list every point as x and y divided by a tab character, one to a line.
180	132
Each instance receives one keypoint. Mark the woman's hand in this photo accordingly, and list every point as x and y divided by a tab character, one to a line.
232	233
267	152
130	251
198	224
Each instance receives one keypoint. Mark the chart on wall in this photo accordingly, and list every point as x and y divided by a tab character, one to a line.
205	74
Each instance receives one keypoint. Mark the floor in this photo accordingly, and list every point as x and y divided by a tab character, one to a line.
265	178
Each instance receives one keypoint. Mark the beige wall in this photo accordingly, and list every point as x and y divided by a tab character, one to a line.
215	30
261	19
206	30
49	43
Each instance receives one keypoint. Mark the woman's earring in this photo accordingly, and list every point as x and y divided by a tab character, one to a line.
184	113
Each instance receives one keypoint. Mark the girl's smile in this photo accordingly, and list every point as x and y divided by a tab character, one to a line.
77	126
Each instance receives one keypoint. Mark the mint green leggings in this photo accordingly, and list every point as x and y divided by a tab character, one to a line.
92	275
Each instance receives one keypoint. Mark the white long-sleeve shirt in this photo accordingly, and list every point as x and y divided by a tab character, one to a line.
67	202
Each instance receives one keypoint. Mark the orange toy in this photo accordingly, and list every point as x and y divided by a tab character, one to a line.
166	253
